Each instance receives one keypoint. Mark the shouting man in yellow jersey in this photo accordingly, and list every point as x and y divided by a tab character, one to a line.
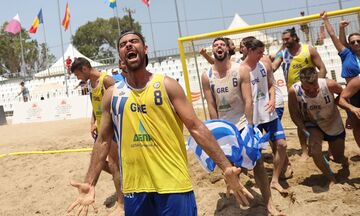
99	82
294	57
146	114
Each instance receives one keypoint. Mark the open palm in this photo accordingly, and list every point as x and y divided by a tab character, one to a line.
85	199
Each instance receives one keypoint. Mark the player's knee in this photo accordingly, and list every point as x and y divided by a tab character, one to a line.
281	144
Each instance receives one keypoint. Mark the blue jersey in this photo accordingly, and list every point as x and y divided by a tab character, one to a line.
118	77
350	63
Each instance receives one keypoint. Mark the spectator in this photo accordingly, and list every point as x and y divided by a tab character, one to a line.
24	91
68	62
305	28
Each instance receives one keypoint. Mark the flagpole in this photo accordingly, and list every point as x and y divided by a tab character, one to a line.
23	66
186	20
62	50
152	32
117	17
177	17
46	53
263	16
222	13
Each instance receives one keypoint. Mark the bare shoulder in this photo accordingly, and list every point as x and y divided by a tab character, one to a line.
171	86
244	71
266	59
331	83
312	50
108	81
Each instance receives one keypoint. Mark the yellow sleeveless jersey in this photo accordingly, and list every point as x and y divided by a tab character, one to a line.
96	99
293	64
150	135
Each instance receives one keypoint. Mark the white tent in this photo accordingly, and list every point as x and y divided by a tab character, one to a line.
58	67
238	22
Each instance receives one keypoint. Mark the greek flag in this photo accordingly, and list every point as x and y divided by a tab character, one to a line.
243	148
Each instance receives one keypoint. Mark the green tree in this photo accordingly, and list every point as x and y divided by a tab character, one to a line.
10	52
45	58
97	39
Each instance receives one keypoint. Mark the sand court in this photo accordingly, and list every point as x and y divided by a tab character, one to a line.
38	184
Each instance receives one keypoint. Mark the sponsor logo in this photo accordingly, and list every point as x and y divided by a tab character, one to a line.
254	81
142	136
224	105
96	98
157	85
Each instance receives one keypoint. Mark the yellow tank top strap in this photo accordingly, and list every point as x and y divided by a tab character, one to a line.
96	99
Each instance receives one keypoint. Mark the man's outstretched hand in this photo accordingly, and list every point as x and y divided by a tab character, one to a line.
85	199
231	175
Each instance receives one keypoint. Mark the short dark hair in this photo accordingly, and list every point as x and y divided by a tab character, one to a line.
79	63
308	75
222	39
126	32
22	83
253	43
247	38
353	34
292	33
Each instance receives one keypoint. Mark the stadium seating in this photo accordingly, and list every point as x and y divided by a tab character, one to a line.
54	86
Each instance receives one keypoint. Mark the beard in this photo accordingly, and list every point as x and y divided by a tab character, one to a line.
222	57
289	45
231	52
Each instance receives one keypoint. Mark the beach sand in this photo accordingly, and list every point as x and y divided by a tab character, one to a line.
39	184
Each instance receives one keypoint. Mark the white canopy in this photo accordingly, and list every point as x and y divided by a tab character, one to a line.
58	67
239	22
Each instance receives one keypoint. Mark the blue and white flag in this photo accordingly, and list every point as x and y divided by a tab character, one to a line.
242	149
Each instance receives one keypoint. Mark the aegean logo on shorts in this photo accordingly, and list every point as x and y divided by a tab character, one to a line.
157	85
129	195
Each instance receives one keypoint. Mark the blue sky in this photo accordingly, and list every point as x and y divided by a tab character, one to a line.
201	15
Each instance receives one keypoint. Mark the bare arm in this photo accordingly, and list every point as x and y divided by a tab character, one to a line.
276	63
351	89
335	88
206	56
245	87
209	96
337	43
342	36
103	142
270	79
108	81
294	110
318	62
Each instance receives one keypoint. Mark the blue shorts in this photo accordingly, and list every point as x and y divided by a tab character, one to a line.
155	204
328	138
279	111
275	129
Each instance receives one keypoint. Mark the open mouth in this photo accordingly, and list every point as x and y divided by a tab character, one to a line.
220	52
131	55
